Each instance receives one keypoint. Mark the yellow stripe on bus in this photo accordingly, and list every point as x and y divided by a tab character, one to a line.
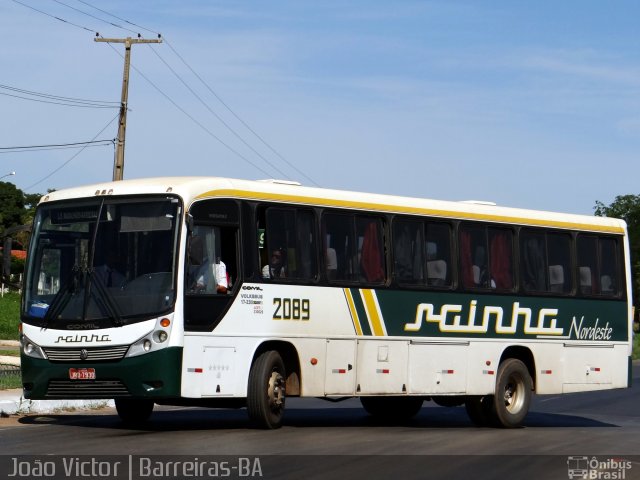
332	202
354	313
375	317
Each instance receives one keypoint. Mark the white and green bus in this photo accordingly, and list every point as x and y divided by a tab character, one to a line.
229	293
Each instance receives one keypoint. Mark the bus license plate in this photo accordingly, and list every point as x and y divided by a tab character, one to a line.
82	373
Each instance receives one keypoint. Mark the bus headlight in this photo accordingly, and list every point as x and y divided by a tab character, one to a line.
31	349
160	336
156	339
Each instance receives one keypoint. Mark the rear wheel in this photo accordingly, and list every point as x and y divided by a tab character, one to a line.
392	408
479	410
267	391
134	411
514	388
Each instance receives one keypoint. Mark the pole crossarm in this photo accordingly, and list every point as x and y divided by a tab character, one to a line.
118	163
128	40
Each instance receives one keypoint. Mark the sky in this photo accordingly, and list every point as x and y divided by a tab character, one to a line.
526	104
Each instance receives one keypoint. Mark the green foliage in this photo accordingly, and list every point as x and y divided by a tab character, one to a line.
17	264
12	206
627	207
9	316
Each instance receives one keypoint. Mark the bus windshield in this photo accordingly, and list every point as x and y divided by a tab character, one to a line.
103	262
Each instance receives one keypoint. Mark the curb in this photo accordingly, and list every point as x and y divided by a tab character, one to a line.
8	360
13	403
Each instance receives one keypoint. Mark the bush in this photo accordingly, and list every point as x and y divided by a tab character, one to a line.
17	264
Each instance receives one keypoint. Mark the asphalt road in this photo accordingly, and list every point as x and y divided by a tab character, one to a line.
321	439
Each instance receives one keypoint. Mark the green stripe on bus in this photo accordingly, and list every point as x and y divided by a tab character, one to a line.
362	313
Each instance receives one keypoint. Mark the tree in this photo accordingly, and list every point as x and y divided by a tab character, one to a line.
11	205
16	208
627	207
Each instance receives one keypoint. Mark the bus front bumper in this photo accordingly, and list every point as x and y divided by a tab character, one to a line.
153	375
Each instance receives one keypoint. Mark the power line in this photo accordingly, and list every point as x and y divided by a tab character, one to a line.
93	16
264	142
66	104
51	102
169	98
53	16
218	116
73	156
83	101
118	18
236	116
205	129
59	146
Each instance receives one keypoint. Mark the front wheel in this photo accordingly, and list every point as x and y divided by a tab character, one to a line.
267	391
514	388
134	411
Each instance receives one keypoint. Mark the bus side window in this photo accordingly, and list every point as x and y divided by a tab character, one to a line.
559	258
290	247
438	248
588	264
408	252
598	265
473	256
501	258
609	266
370	249
533	261
338	235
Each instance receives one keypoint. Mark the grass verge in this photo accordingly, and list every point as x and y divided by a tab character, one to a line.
9	316
10	377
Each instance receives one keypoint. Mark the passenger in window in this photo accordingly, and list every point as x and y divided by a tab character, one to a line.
222	277
201	278
276	268
202	270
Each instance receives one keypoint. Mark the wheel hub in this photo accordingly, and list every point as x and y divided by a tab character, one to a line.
512	397
276	391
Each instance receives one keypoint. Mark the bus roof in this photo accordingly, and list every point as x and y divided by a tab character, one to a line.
192	189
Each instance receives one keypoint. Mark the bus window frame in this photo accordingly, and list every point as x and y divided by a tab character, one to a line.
354	216
259	213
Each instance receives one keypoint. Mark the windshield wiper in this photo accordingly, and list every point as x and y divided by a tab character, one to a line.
107	299
63	296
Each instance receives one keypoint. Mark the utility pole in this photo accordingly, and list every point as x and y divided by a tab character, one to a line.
118	163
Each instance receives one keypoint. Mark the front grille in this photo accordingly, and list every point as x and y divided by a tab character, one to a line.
95	354
69	389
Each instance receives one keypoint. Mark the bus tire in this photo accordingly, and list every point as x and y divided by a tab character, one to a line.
267	391
514	388
134	411
392	408
479	410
